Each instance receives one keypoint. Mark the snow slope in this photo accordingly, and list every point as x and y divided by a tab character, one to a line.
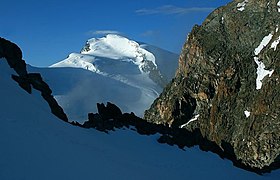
114	69
112	47
37	145
78	91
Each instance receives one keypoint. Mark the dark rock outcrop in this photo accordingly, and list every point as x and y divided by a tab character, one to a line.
12	53
218	89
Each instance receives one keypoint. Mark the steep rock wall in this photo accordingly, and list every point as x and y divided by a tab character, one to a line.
227	84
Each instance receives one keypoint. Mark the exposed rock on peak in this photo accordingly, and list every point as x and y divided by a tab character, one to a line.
227	84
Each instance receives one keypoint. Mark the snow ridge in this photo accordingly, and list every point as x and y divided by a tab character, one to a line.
117	47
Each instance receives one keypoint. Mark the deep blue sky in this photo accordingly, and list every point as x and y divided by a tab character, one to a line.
48	30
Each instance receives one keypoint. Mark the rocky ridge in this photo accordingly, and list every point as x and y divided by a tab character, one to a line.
227	84
12	53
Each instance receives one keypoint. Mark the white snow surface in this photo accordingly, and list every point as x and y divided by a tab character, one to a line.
275	43
117	47
278	4
241	6
247	113
78	90
191	120
77	60
261	73
37	145
265	41
109	69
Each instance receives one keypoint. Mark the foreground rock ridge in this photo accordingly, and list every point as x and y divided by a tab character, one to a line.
227	84
12	53
110	118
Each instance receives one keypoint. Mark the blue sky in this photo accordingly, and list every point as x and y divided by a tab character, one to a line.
48	30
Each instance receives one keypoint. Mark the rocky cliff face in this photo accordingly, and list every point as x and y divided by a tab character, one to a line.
12	53
228	80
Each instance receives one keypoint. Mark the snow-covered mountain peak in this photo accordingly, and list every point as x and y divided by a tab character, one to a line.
117	47
115	55
122	71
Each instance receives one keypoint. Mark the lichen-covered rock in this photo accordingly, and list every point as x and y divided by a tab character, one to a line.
12	53
228	82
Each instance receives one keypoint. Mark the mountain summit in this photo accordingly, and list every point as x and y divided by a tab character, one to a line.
115	55
110	69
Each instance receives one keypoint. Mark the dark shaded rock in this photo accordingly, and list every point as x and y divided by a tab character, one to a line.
108	112
23	83
165	139
216	80
12	53
37	82
168	135
55	108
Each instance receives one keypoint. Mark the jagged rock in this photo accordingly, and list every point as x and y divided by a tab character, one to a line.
169	135
217	88
12	53
23	83
108	112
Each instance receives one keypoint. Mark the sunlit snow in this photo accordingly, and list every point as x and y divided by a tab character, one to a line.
118	47
265	41
191	120
247	113
241	6
261	73
275	43
108	69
